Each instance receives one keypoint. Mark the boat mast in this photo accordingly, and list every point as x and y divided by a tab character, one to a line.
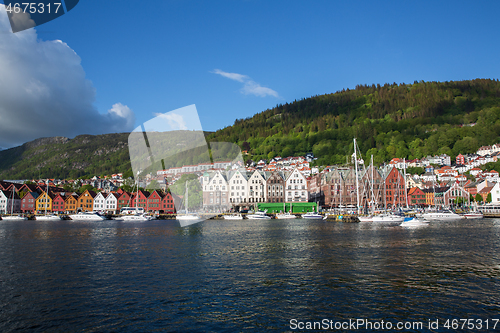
12	202
404	171
187	197
46	197
356	174
373	195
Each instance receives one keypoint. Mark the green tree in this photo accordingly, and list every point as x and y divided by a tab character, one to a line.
488	198
478	198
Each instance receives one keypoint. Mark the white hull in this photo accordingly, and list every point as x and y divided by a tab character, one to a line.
48	218
285	216
471	216
444	216
388	218
365	218
135	218
312	216
258	216
233	217
87	217
14	218
413	223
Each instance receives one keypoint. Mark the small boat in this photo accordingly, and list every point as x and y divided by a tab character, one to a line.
233	217
284	216
387	217
413	222
48	217
259	216
134	218
187	218
87	216
446	215
368	218
14	218
473	215
312	216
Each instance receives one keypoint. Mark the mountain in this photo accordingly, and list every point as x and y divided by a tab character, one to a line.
60	157
393	120
389	121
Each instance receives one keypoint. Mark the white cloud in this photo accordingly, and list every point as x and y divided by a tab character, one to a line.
250	87
232	76
175	121
253	88
44	91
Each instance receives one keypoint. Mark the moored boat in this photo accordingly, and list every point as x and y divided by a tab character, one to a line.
368	218
413	222
445	215
87	216
48	217
285	216
259	216
233	217
473	215
312	216
14	218
388	217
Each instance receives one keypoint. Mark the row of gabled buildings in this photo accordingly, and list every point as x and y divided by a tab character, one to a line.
223	190
388	188
35	199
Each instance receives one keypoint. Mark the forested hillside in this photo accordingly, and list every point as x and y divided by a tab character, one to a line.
389	121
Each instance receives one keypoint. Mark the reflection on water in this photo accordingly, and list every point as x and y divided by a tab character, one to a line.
242	275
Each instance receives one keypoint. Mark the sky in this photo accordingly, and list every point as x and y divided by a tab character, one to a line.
110	66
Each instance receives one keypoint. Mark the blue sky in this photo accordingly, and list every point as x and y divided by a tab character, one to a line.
236	58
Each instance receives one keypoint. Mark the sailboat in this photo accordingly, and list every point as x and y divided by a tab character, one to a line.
475	214
369	218
48	217
187	218
286	215
312	215
13	217
137	217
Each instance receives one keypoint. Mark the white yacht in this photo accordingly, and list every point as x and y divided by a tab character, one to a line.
387	217
368	218
48	217
413	223
134	218
259	216
233	217
87	216
312	216
285	216
473	215
446	215
14	218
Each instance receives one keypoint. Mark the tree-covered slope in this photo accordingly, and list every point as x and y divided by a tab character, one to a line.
60	157
389	121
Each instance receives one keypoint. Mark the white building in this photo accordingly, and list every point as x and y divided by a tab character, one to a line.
296	187
495	193
99	202
256	187
112	202
238	183
8	205
215	191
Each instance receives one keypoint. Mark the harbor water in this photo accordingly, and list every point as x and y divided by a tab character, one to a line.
254	276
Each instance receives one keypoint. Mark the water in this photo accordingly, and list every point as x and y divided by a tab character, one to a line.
232	276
